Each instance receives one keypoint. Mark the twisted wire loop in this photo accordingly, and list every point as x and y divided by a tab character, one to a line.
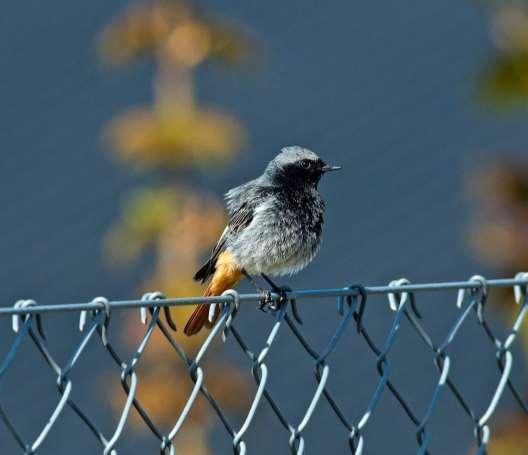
95	324
21	334
504	360
64	383
382	364
442	362
129	377
196	372
259	371
356	441
355	300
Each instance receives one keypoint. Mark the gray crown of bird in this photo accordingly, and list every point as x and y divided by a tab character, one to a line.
275	226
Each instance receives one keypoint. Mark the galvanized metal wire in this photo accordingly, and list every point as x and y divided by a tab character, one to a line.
352	303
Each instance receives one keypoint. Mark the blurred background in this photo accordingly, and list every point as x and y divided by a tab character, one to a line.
124	123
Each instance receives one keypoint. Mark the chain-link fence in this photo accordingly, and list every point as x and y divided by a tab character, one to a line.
352	304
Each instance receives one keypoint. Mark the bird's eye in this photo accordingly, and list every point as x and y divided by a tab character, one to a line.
306	164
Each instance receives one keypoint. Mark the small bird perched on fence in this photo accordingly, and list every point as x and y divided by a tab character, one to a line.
275	225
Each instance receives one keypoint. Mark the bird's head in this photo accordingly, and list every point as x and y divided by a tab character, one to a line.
297	166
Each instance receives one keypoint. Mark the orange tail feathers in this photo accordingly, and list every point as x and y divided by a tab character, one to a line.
198	319
226	276
200	316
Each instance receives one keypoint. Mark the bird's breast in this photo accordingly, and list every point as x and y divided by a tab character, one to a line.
284	235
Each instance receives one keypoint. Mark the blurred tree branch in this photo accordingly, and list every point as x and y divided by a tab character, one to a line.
504	79
172	218
499	233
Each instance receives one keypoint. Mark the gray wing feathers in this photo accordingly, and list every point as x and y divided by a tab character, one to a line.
241	203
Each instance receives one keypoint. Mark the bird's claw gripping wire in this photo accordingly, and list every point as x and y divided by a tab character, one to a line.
267	303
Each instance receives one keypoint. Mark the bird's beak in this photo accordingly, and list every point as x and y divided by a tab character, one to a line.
327	168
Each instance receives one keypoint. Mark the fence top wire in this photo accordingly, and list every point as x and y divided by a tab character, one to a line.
520	280
351	303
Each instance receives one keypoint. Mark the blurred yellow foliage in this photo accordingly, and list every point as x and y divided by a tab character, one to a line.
193	441
510	437
510	26
146	214
178	224
174	137
172	220
165	385
176	29
500	236
504	80
500	231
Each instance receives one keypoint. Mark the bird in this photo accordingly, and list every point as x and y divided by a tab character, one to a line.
274	228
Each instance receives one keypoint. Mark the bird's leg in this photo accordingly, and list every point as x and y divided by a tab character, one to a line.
271	283
268	302
266	295
283	293
281	290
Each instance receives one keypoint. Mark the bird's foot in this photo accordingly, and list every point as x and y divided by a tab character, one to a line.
267	303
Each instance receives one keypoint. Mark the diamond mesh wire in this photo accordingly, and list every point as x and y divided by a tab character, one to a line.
352	303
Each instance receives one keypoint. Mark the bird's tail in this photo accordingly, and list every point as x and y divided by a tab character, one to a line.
200	316
227	275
